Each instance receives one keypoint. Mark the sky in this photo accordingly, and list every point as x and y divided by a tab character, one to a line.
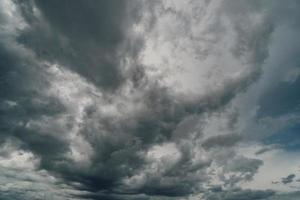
150	100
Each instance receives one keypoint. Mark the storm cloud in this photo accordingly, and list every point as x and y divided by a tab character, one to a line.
147	99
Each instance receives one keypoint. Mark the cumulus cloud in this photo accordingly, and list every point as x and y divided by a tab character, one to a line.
138	100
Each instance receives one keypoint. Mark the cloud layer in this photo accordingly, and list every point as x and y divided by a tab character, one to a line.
148	100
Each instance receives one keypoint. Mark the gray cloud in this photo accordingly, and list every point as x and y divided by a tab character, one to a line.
78	96
286	196
267	149
288	179
221	141
89	38
240	194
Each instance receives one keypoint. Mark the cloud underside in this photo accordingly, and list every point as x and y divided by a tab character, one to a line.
145	100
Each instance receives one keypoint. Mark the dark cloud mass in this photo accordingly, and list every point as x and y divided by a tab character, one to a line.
288	179
238	194
148	100
88	37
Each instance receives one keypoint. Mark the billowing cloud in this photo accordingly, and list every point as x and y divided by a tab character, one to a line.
147	100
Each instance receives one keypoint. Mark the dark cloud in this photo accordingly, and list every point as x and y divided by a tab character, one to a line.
280	96
286	196
288	179
267	149
90	38
240	169
239	194
221	141
84	117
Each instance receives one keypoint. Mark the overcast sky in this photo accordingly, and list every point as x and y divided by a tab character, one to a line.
150	100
